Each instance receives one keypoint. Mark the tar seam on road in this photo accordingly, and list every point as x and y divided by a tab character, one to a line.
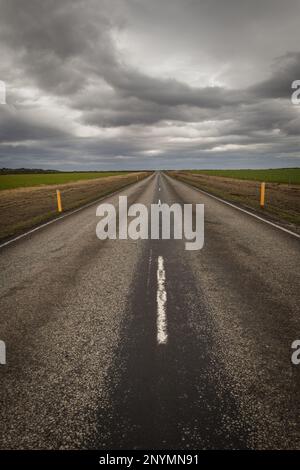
161	299
243	210
149	269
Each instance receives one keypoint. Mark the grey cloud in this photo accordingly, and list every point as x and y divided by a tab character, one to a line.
17	126
67	52
63	43
286	69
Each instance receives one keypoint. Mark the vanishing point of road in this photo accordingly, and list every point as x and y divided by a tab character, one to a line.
124	344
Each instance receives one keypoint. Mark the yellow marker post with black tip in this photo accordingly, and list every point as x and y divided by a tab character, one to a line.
59	205
262	194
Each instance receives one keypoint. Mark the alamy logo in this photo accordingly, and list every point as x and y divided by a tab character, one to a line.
296	354
184	226
2	93
2	353
296	94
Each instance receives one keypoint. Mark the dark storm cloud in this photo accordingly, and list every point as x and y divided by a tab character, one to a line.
55	42
139	83
285	70
16	126
64	44
168	92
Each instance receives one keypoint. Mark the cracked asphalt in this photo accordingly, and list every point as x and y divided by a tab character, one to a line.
79	319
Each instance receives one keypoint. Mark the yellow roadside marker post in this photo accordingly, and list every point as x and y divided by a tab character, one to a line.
59	206
262	194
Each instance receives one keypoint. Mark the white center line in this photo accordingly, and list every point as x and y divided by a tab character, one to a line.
161	299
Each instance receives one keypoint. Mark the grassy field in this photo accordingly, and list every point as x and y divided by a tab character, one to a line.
242	187
279	175
25	207
37	179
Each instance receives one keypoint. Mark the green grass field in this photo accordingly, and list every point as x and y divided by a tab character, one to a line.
280	175
37	179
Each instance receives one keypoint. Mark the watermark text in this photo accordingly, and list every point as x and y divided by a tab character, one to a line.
295	98
154	224
2	353
2	92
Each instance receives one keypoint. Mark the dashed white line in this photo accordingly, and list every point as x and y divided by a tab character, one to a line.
161	299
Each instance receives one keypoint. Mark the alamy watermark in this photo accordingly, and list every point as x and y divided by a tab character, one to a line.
2	353
158	226
295	98
295	358
2	92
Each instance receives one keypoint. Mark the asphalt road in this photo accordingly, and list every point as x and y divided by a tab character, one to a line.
80	318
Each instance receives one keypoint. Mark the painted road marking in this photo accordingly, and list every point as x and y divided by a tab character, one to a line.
85	206
243	210
161	299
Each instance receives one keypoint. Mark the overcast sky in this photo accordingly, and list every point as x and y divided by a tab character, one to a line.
96	84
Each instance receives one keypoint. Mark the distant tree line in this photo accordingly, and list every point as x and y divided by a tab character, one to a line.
13	171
